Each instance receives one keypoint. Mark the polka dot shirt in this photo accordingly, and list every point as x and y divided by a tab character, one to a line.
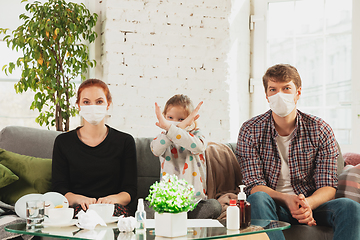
183	153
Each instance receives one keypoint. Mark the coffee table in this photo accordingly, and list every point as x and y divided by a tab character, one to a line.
111	231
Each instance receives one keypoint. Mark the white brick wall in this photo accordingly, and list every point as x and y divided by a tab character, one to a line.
151	50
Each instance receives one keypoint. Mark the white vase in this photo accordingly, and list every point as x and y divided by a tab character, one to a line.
170	224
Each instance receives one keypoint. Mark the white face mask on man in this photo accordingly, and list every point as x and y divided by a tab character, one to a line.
93	114
282	104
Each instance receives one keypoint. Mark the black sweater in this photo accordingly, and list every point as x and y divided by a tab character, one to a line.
108	168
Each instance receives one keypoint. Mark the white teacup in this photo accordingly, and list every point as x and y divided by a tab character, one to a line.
60	215
105	211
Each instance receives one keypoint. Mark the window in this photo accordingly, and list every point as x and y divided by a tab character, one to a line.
315	36
15	108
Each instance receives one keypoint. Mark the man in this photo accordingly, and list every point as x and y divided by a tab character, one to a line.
288	162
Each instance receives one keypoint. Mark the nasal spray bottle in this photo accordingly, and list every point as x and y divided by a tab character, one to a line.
245	208
232	216
140	215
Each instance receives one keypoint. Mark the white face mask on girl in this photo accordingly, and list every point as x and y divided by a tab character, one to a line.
173	122
188	128
93	114
282	104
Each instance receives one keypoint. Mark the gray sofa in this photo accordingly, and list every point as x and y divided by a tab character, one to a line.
39	143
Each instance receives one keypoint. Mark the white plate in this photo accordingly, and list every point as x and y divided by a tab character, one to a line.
51	198
20	205
56	198
53	224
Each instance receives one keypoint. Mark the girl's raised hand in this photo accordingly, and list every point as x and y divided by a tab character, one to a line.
162	123
191	118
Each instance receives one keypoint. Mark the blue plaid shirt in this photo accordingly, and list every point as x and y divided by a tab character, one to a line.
312	154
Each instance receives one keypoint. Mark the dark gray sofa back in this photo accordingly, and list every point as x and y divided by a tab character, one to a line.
28	141
148	169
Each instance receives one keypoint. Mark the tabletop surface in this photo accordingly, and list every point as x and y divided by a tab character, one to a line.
111	231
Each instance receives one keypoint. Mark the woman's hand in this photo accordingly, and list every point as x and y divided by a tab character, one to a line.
191	118
122	198
79	199
162	123
112	199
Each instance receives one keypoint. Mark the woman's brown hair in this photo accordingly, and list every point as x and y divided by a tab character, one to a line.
92	82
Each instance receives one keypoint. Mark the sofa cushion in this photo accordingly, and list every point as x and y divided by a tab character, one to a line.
34	175
6	176
351	158
349	183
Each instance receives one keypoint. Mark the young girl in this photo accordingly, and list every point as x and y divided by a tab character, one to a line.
181	147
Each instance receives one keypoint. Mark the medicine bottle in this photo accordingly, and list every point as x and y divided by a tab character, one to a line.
140	215
245	208
232	216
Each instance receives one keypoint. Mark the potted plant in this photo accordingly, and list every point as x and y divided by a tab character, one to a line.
53	40
171	199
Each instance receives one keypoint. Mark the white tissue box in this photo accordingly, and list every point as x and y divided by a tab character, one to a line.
170	224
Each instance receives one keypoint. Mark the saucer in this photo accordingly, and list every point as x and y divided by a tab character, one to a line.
111	220
53	224
107	221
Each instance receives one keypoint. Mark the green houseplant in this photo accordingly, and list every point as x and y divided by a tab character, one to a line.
171	195
53	41
171	199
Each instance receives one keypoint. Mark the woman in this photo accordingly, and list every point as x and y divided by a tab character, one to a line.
95	163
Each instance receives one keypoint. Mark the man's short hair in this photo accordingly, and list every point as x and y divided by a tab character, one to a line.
282	73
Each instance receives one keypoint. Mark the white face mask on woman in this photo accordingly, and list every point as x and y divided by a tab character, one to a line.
93	114
282	104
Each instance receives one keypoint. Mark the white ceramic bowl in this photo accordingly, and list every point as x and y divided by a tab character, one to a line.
60	215
105	211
